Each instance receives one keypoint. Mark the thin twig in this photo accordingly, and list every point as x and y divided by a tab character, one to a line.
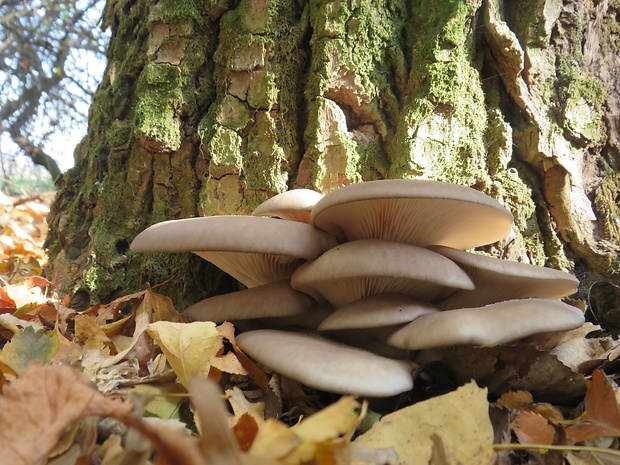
599	450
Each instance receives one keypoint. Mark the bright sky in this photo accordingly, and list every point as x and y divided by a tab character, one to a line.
61	143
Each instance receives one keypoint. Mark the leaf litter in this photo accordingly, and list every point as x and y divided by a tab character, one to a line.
145	386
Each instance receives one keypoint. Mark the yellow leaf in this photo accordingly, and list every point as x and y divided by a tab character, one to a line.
453	428
189	347
162	400
160	306
328	429
274	440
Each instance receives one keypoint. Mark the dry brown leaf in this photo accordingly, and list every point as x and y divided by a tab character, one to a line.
516	367
50	399
7	305
516	400
47	400
242	406
457	423
227	330
245	431
602	415
218	443
532	428
89	334
524	401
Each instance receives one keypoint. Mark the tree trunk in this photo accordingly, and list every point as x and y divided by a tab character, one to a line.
210	108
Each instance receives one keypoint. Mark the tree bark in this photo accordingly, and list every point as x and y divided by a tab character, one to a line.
210	108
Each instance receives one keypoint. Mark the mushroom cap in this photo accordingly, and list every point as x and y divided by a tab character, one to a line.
327	365
277	299
307	320
357	269
417	212
489	325
295	205
377	311
497	280
254	250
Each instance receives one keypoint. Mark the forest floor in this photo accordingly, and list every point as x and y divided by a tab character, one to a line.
132	382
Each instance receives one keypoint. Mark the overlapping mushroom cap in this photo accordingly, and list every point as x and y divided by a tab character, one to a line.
254	250
327	365
361	268
497	280
417	212
294	205
489	325
377	311
277	299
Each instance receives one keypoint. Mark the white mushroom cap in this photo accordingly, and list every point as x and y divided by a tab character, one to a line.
295	205
498	280
417	212
487	326
327	365
377	311
357	269
254	250
277	299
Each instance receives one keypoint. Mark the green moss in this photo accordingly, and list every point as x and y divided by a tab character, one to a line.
263	91
224	148
91	278
442	131
358	64
265	164
173	12
583	96
606	203
159	99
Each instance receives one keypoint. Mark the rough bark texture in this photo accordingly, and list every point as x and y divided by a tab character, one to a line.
212	107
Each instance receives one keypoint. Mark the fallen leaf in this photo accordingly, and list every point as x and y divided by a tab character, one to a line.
162	400
142	322
532	428
217	442
328	429
602	415
189	347
25	296
241	406
457	422
245	431
48	400
516	367
89	334
28	346
7	305
524	401
227	331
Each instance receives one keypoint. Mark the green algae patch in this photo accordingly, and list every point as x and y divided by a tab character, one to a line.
583	98
441	134
159	99
224	149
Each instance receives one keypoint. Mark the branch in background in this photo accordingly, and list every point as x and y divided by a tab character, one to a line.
38	156
41	80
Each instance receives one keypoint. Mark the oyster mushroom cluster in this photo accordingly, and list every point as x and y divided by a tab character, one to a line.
378	264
